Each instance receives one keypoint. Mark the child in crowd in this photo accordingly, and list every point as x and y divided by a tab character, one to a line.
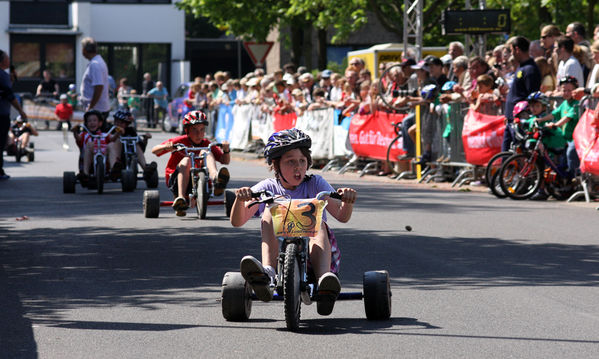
93	121
553	138
63	112
134	105
487	102
288	154
566	117
178	168
72	96
123	120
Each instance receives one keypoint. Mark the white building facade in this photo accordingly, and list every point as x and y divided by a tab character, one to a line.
134	37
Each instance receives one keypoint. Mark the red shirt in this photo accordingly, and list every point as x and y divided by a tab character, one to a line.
177	156
64	111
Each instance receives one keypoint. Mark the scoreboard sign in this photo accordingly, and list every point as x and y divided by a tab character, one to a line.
485	21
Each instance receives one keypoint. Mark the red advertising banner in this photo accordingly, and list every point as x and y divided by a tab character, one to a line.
370	135
586	139
284	121
482	136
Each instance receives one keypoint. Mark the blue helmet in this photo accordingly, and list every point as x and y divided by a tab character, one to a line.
428	92
538	96
122	115
448	86
283	141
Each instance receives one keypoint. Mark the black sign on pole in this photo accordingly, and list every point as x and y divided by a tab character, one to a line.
476	22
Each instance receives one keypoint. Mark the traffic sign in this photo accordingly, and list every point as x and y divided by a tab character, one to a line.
258	51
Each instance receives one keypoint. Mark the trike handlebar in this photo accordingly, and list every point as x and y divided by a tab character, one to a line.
268	197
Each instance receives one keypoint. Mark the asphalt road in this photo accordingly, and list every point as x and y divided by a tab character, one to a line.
87	276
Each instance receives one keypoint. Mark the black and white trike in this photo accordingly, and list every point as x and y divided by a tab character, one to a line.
294	285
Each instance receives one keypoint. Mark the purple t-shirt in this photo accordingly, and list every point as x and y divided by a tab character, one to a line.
306	189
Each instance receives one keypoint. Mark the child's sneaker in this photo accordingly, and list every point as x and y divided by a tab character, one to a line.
327	292
221	181
255	274
180	205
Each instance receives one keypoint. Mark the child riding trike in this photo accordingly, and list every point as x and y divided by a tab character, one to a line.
295	239
200	188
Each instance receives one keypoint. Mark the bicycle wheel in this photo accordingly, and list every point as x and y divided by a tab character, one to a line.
202	199
559	187
291	288
100	177
519	177
389	157
492	171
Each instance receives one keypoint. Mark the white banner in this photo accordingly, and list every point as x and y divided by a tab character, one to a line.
261	125
240	132
318	124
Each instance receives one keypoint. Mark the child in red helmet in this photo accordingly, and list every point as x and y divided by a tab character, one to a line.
179	166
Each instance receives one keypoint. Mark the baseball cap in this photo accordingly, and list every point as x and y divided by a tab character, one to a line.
433	60
408	62
63	97
421	65
326	74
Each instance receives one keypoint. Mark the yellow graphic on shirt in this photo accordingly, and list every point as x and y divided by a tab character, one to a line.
298	217
519	74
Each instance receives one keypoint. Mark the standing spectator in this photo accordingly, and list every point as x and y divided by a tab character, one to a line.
160	96
123	93
7	98
454	50
568	64
325	83
94	85
146	86
134	105
594	75
549	34
526	81
535	49
548	80
306	81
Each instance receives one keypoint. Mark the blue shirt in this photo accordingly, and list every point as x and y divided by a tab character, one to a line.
527	80
161	97
6	94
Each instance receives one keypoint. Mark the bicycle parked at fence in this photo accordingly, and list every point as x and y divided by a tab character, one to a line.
522	174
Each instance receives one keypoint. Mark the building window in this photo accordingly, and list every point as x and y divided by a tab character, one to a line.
32	54
132	1
131	61
54	12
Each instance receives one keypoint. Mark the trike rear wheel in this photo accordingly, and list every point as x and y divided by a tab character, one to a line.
236	297
377	295
151	203
291	288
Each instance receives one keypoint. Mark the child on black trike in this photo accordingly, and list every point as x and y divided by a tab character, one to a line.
179	165
288	154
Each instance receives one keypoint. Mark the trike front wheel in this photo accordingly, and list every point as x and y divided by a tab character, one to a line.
236	297
291	287
377	295
202	193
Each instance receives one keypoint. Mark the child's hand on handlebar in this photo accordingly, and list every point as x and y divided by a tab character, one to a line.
243	194
348	195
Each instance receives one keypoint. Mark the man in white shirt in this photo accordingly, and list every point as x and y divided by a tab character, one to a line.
94	85
568	65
